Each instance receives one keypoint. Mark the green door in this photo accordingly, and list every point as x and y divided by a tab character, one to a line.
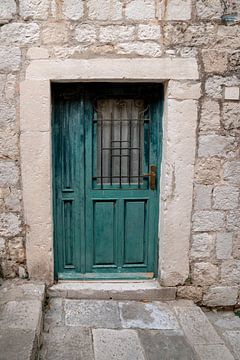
106	171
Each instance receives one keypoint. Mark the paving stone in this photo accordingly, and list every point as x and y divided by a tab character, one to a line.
117	345
167	345
16	344
20	315
153	315
90	313
54	313
224	320
65	343
213	352
196	326
233	338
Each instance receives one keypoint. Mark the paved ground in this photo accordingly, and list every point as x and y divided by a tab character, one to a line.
131	330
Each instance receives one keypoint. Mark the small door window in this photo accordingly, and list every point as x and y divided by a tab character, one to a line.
121	131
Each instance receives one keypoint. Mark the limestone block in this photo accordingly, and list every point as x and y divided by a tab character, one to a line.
10	87
149	32
202	246
205	220
209	9
193	293
13	200
214	85
234	61
210	116
104	9
230	272
207	171
214	61
10	58
86	33
236	245
232	172
150	49
224	245
184	90
215	145
178	10
55	33
114	33
34	9
221	296
19	33
9	173
9	144
225	197
37	53
7	9
16	249
204	273
203	197
228	37
233	220
140	10
2	246
73	9
7	114
182	34
231	93
231	118
10	224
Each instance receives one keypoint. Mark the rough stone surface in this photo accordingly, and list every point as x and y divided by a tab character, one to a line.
214	61
209	9
208	220
224	245
210	116
85	33
230	272
220	296
225	197
10	58
231	115
19	34
105	10
116	33
215	145
8	9
34	9
108	344
232	172
10	224
73	9
149	32
86	313
151	49
190	293
233	220
207	171
203	197
204	273
177	10
202	246
140	10
9	173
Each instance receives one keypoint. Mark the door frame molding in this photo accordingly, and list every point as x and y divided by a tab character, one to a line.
182	92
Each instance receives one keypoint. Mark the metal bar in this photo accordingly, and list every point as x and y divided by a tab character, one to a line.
120	159
117	120
118	148
130	148
111	149
116	176
101	154
139	151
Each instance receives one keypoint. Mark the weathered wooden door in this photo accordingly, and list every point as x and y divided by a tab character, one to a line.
106	171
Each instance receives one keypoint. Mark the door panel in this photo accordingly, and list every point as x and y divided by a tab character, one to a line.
106	137
104	230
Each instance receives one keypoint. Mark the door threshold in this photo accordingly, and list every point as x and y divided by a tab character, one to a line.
145	290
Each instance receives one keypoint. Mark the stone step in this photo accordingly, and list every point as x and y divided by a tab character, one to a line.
117	290
21	317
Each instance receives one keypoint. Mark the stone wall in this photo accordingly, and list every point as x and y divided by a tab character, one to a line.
60	29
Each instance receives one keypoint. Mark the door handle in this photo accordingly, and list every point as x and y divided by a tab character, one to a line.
153	176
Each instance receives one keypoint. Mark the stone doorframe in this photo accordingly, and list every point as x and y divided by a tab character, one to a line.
182	90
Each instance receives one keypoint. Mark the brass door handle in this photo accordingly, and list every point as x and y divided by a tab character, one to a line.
153	176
